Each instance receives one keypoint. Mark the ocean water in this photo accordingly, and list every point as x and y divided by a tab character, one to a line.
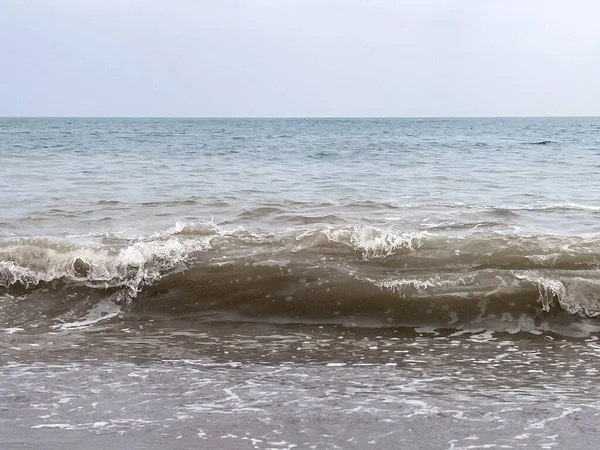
299	283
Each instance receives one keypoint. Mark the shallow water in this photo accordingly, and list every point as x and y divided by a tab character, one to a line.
310	283
264	386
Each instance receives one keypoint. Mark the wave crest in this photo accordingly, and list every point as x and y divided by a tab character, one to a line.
31	262
345	274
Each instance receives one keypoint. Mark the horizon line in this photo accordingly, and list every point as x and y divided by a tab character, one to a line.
301	117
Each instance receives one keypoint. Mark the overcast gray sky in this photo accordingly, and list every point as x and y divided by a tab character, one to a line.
299	58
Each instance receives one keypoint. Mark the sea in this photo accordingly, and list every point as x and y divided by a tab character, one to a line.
299	283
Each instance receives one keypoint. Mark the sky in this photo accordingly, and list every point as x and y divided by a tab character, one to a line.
299	58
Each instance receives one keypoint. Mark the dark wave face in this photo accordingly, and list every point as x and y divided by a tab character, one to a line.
348	275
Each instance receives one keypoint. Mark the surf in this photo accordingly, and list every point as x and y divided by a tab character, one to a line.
350	275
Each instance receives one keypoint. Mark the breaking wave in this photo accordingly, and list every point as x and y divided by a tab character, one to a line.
348	275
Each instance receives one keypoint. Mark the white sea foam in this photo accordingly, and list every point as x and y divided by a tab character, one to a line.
371	242
12	330
62	426
576	295
30	262
402	285
104	310
374	242
559	206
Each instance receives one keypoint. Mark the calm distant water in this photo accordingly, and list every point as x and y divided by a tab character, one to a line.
61	176
389	261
